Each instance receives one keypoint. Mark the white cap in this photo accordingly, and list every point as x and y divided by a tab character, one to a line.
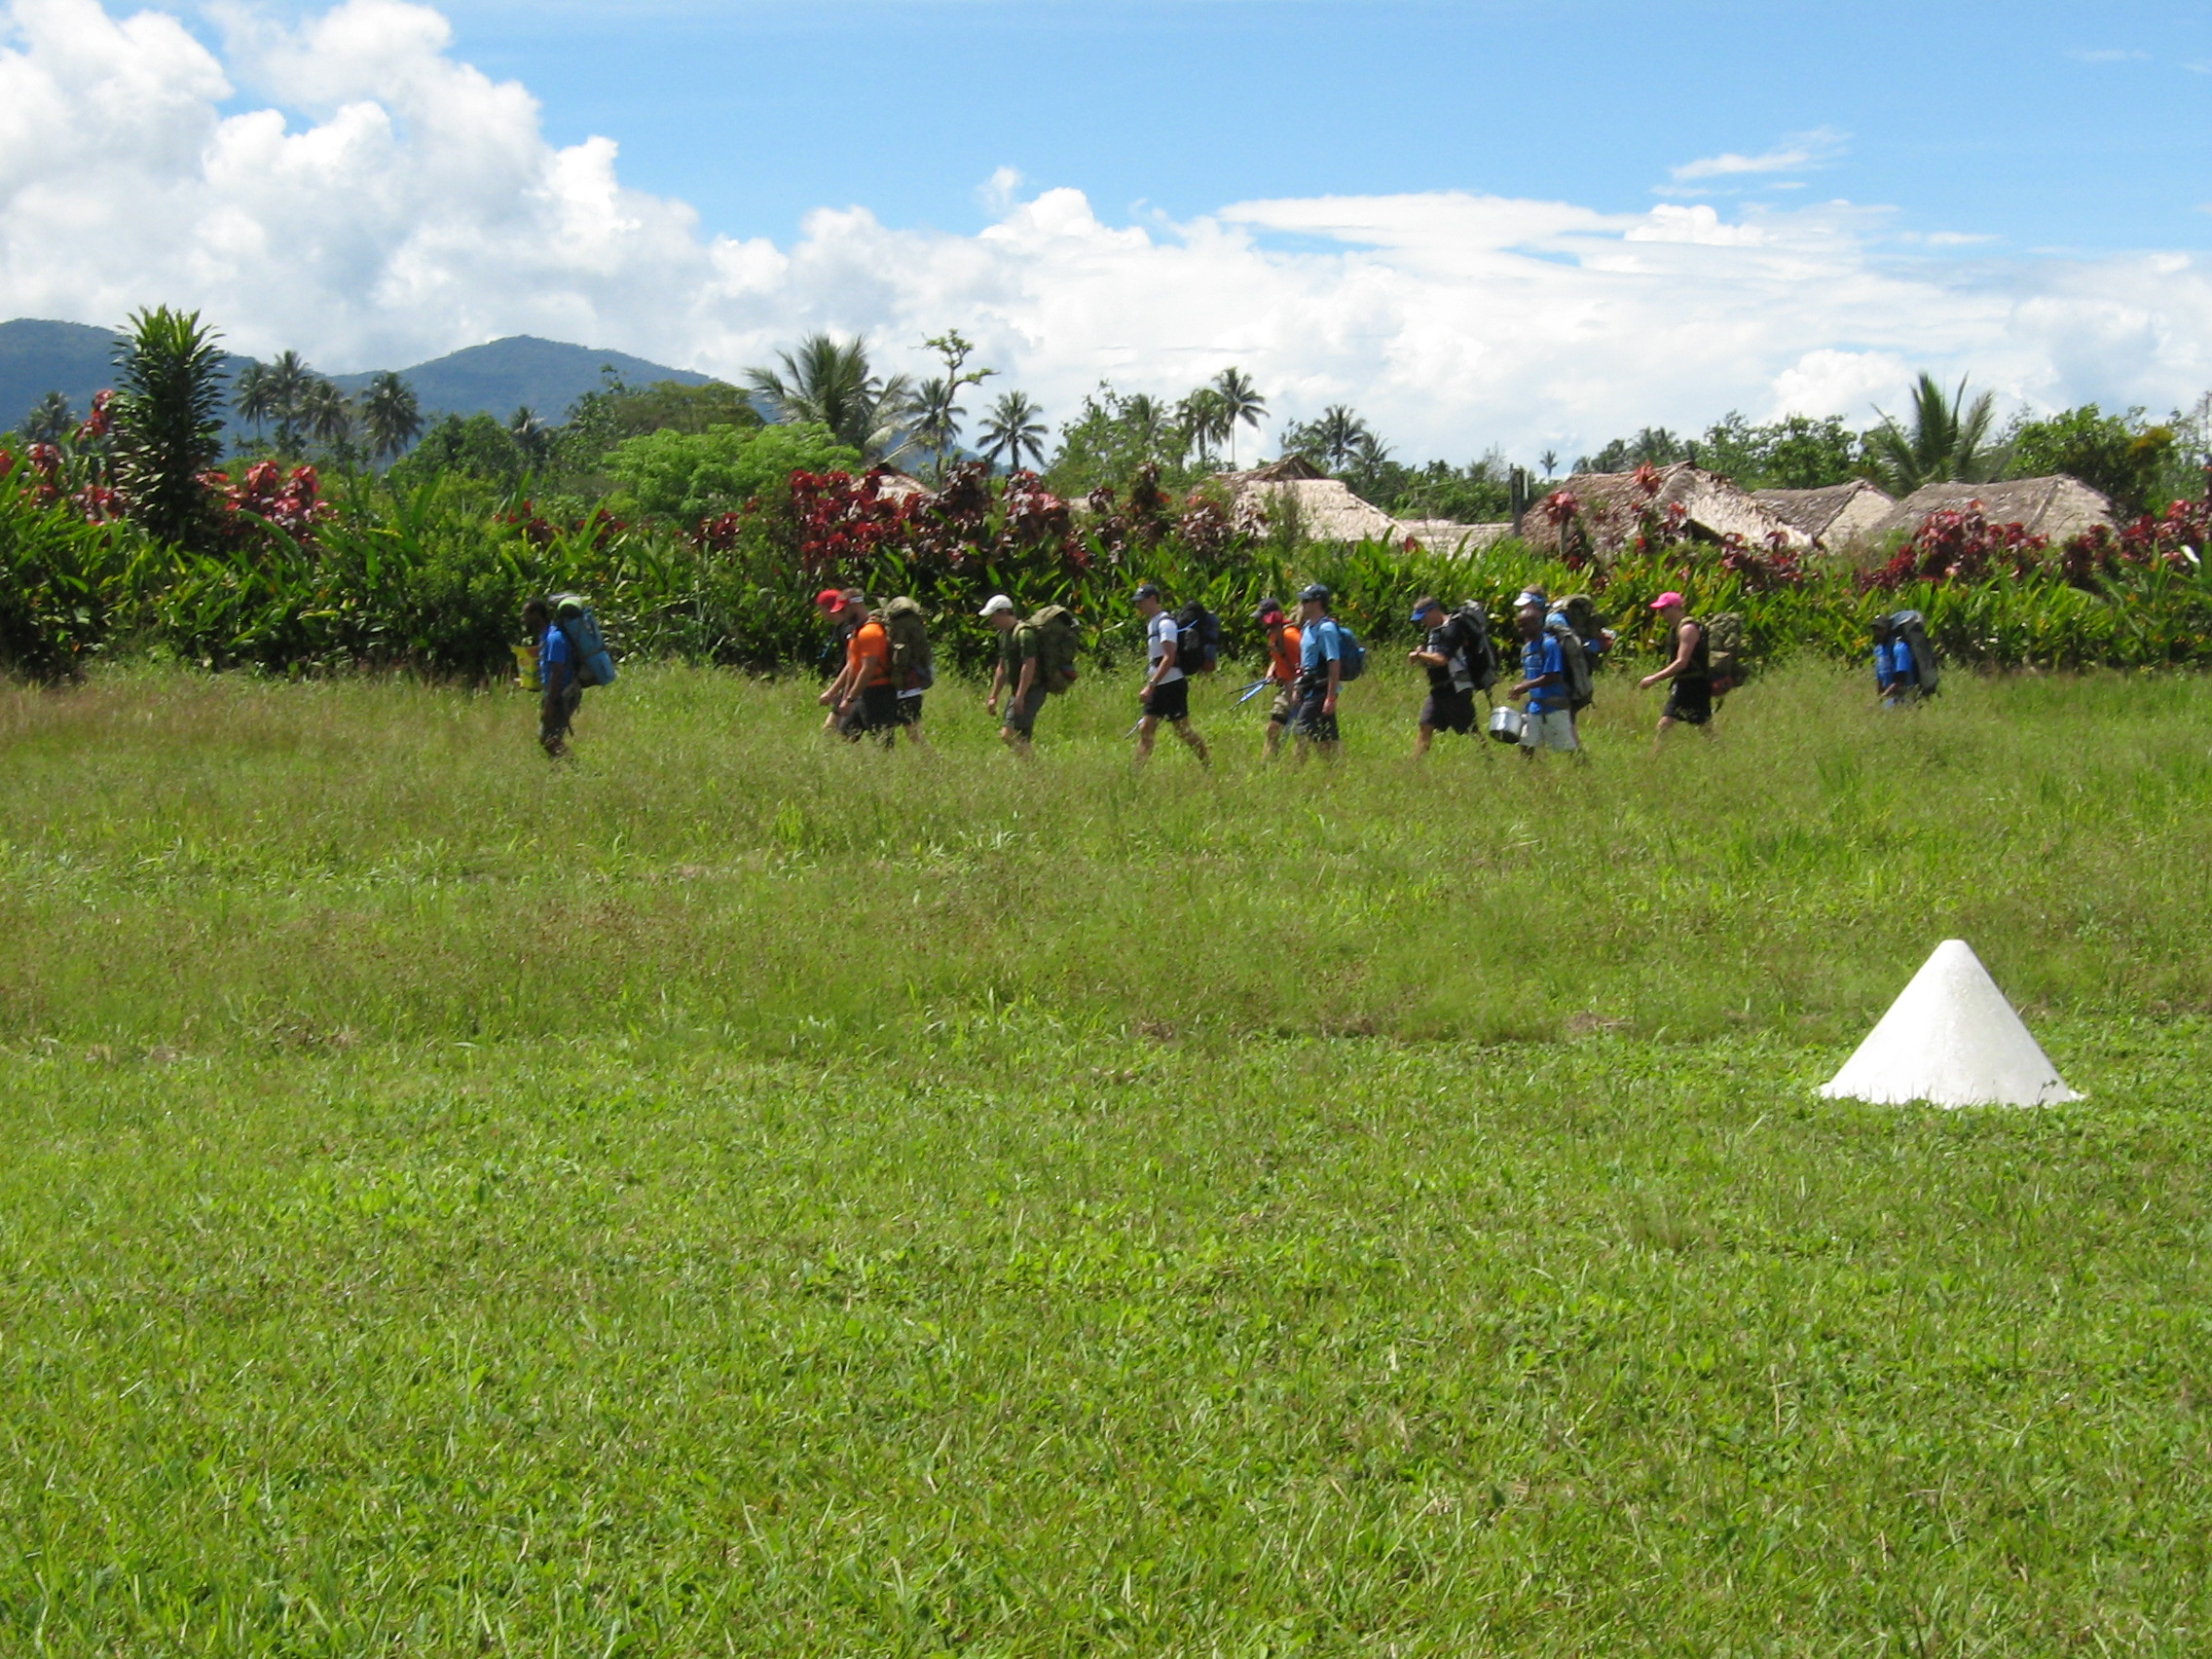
997	603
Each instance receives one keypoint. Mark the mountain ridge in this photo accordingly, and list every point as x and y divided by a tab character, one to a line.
38	355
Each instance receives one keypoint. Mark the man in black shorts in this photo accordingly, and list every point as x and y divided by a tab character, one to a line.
1689	698
1167	694
1451	704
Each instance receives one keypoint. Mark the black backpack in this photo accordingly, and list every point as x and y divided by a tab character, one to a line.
1912	628
1476	659
1197	640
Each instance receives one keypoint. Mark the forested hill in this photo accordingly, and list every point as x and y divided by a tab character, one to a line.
37	358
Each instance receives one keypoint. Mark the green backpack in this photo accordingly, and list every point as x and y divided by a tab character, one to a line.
1725	650
1057	643
913	666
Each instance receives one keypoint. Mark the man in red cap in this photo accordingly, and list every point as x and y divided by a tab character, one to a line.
831	604
1690	699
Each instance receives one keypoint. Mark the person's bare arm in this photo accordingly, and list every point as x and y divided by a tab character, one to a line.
1336	672
1027	682
998	684
1685	646
1170	650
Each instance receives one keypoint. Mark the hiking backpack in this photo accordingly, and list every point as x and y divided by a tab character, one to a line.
1351	656
1574	663
1581	613
1197	640
1477	655
587	647
1912	628
1057	644
1725	650
913	666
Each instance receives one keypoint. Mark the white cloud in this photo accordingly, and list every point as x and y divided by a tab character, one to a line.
2108	54
1792	155
415	206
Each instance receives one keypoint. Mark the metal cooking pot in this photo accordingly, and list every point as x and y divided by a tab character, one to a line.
1505	723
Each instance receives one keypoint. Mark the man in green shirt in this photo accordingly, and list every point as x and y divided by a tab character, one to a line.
1016	677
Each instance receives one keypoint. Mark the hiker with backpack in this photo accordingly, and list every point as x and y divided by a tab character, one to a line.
835	607
1461	661
1329	656
1016	677
1689	698
913	664
1582	643
864	698
1167	691
1905	662
561	691
1283	662
1547	721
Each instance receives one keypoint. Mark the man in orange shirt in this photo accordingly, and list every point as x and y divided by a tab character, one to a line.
1282	669
865	684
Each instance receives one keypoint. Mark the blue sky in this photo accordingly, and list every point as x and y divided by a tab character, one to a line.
1479	224
2075	127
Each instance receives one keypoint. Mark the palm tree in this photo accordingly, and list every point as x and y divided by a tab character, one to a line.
50	421
324	411
1205	419
253	395
1340	432
1948	441
1550	459
289	378
830	385
1242	403
532	436
391	415
1012	428
936	417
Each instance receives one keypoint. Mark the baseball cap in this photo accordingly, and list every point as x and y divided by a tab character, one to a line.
997	603
1268	611
1314	590
1669	597
830	598
1147	590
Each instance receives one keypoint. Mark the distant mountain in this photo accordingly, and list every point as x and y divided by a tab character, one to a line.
76	360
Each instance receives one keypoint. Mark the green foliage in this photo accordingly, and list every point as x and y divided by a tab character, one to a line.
600	419
390	416
1794	452
827	382
169	421
1950	438
1113	437
58	579
476	447
683	477
1653	446
2121	455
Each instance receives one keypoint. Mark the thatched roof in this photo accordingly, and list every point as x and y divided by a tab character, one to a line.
1444	536
1608	505
2057	507
1834	516
1327	510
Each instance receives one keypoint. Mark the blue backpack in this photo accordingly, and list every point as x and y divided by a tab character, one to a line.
1351	659
587	647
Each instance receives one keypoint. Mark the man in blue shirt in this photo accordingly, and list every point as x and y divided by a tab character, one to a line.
1548	723
564	691
1896	677
1320	668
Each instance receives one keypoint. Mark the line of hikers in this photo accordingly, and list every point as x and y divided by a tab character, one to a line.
888	666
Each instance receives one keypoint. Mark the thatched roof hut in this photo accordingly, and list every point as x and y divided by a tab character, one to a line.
1609	505
2058	508
1450	538
1835	516
1326	509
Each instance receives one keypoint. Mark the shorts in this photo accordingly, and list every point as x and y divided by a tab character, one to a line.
1169	702
909	708
1311	723
1554	729
1021	713
876	710
1450	711
1285	705
1691	702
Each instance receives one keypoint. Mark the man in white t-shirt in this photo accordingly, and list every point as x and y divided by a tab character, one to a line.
1166	692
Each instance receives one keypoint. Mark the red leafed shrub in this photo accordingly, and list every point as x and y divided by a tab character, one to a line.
291	502
1559	506
599	526
840	519
1960	546
1762	573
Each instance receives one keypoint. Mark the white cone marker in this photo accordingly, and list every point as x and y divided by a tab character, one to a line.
1950	1038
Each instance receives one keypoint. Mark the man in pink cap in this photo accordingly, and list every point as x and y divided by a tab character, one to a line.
1690	697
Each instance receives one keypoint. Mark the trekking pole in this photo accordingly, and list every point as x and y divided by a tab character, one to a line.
1251	691
1132	731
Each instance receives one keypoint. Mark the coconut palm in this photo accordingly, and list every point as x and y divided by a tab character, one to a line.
391	415
324	411
1550	460
936	417
1205	420
1012	430
253	395
1241	404
532	435
1948	441
289	378
830	385
50	421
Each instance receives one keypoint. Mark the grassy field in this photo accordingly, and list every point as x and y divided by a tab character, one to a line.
734	1193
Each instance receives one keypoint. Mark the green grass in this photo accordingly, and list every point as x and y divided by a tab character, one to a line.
737	1195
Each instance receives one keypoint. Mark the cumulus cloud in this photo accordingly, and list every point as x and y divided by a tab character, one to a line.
409	204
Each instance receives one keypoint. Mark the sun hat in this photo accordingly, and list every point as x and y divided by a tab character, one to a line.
1423	607
1313	590
1669	597
1531	596
997	603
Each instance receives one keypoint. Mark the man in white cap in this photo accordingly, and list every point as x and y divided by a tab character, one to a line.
1016	677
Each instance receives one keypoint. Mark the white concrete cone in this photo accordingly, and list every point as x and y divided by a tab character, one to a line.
1950	1038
